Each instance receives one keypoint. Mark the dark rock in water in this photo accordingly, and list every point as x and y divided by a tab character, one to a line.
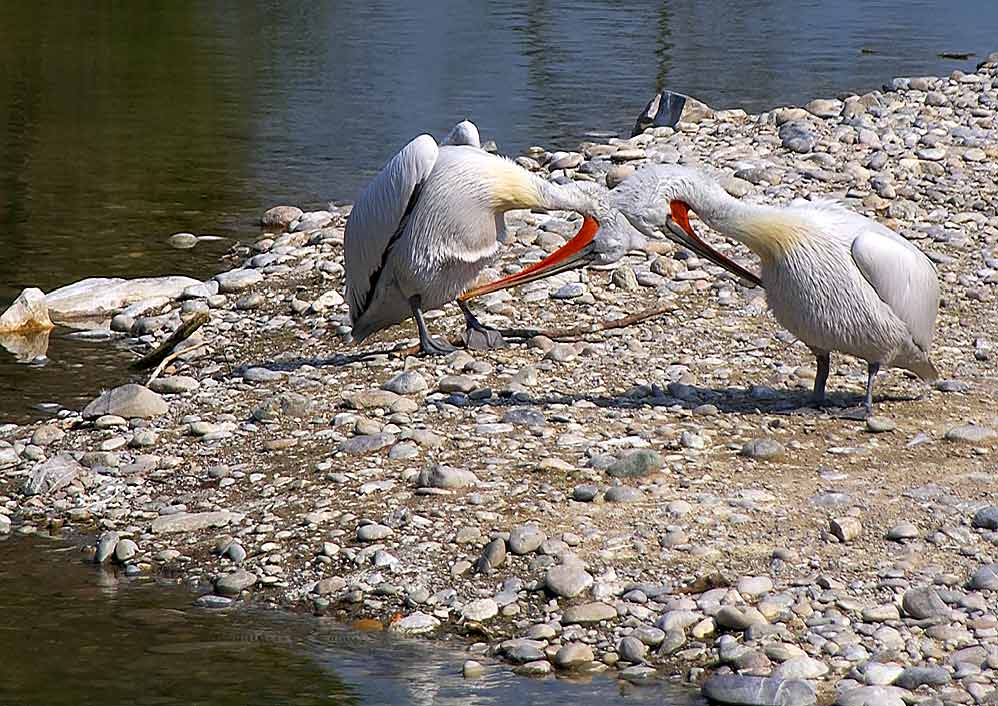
54	474
797	137
758	691
668	108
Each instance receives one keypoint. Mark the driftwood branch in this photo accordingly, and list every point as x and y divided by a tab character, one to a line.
185	331
523	334
170	358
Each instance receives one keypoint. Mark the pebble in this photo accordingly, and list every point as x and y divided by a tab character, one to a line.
525	539
743	690
588	613
235	583
480	610
763	449
573	655
846	529
921	603
636	464
567	580
971	434
622	494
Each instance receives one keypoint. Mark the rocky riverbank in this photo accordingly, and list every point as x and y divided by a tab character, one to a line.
657	499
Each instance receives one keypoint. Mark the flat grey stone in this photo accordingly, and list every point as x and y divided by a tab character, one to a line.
192	522
623	494
986	518
526	539
971	434
872	696
567	580
763	449
985	578
236	582
237	280
588	613
744	690
921	603
913	677
445	477
127	401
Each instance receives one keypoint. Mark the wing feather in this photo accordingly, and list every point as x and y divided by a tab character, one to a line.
903	277
377	217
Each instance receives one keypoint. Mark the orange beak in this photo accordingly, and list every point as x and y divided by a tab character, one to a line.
681	232
575	253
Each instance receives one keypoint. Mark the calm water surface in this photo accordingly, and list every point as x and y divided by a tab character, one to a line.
73	634
122	123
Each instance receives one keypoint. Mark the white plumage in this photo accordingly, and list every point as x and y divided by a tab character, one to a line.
835	279
427	224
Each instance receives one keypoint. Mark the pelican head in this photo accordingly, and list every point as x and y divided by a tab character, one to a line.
603	239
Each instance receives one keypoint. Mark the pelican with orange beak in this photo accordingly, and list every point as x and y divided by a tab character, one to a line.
835	279
426	225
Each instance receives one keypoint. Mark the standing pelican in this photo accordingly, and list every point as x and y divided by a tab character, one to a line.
427	224
835	279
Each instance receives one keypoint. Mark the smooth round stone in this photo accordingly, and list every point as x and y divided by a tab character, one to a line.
408	382
105	546
236	582
235	552
262	375
472	669
986	518
971	434
125	550
537	668
922	603
880	425
525	539
901	532
913	677
872	696
573	655
763	449
754	586
744	690
174	385
631	649
801	668
567	580
588	613
881	674
623	494
584	493
182	241
480	610
374	533
650	636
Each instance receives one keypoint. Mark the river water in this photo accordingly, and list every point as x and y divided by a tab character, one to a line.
122	123
74	634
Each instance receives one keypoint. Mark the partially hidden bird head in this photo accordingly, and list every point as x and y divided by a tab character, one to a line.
652	202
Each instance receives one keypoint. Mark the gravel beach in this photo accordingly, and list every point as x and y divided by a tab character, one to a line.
659	500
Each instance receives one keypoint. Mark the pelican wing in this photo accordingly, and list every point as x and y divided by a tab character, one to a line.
379	217
902	277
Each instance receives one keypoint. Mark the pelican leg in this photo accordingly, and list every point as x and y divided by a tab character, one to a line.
821	378
429	344
477	335
872	370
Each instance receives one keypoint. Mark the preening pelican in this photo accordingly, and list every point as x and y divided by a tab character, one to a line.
835	279
427	224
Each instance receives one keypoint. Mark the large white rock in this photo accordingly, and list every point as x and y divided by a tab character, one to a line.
28	313
99	297
127	401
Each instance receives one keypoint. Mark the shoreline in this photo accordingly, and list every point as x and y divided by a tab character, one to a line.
656	500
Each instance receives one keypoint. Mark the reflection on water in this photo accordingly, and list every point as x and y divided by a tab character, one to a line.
122	123
73	634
